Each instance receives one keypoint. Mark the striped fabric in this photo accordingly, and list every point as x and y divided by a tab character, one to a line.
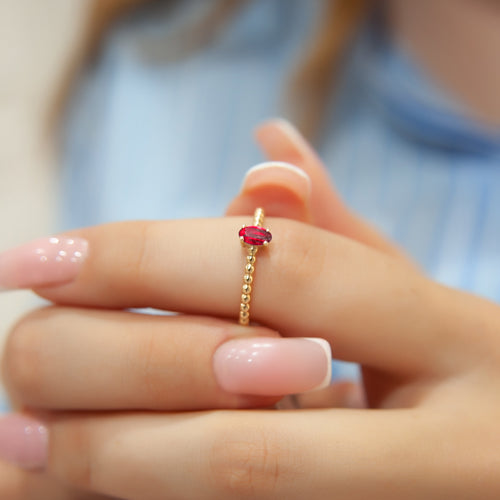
157	140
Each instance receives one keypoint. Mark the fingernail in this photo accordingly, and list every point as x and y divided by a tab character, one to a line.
273	366
23	441
285	141
355	398
288	129
44	262
277	172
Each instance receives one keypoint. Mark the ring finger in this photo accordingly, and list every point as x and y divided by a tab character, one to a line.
368	305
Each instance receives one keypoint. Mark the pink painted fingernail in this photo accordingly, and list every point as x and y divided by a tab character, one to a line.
44	262
273	366
23	441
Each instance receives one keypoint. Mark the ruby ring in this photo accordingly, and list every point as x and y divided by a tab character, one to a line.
252	238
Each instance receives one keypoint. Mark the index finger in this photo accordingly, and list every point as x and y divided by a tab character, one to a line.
280	141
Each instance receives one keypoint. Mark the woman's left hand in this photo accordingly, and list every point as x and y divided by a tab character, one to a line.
430	357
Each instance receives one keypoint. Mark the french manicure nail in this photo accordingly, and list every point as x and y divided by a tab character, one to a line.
273	366
277	172
44	262
23	441
288	129
356	398
285	166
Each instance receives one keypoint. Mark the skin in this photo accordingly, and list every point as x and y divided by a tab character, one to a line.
430	357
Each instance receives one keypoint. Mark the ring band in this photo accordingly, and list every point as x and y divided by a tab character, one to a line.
251	237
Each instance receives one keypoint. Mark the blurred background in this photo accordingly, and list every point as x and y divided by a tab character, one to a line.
37	39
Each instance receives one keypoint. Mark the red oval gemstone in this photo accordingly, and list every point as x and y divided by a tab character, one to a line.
255	235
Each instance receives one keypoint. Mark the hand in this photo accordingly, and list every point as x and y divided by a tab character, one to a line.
57	392
432	376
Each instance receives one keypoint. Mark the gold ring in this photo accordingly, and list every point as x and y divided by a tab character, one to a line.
251	237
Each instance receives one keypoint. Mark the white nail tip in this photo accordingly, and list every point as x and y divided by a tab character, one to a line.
278	164
328	353
285	124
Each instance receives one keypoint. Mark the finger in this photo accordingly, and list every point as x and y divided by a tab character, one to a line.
18	484
347	454
62	358
281	189
340	394
282	142
308	282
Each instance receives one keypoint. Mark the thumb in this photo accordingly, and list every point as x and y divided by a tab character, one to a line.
281	189
281	142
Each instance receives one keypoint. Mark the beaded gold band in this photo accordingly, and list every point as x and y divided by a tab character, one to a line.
251	237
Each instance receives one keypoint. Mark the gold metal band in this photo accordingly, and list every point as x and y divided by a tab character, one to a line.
246	289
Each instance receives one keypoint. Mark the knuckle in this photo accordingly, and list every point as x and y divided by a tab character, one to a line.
148	360
145	240
301	250
133	259
71	449
22	359
247	463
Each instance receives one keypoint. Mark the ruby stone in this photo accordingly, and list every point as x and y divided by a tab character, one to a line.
255	235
